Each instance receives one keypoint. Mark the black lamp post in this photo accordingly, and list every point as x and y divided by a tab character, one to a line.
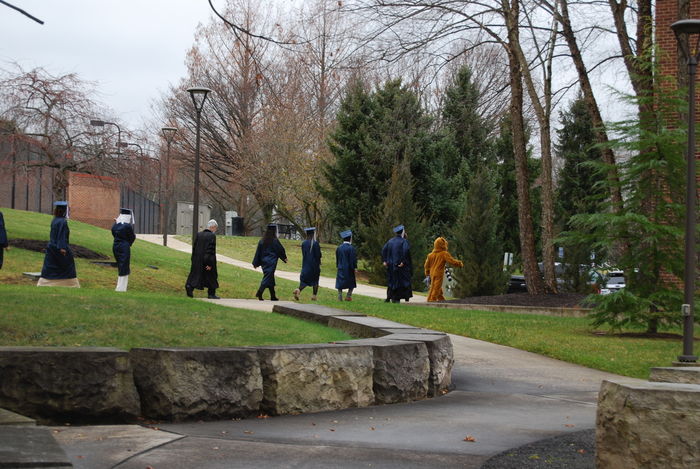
168	134
687	32
101	123
199	95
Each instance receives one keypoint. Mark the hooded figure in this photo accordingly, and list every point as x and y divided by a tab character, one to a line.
3	239
346	262
266	255
59	265
396	256
124	237
435	268
310	264
203	270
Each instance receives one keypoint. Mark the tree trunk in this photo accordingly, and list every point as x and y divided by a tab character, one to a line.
535	286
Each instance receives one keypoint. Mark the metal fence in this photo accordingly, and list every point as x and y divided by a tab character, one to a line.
146	211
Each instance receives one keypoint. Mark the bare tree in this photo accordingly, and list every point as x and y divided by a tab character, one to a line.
52	115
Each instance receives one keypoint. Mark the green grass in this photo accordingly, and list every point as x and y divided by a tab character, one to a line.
243	248
567	339
98	317
156	290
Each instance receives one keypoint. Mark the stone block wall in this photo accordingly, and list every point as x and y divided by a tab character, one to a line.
104	385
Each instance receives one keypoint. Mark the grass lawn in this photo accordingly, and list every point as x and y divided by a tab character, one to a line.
159	289
243	248
567	339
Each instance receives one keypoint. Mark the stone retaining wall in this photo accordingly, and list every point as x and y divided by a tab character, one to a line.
650	425
393	363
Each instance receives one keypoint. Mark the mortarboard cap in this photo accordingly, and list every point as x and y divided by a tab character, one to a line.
60	203
272	226
398	229
346	234
125	211
310	229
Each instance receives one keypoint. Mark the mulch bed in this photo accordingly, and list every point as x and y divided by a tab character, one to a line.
559	300
40	246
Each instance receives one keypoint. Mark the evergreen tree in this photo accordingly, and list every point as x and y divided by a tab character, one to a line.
397	208
650	224
477	243
578	189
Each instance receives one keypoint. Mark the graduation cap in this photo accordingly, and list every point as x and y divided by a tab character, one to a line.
126	215
272	226
310	229
346	234
398	229
60	203
125	211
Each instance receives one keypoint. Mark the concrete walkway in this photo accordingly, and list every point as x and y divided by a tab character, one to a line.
503	398
325	282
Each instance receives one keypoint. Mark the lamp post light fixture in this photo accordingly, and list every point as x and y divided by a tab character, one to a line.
101	123
169	135
198	95
688	32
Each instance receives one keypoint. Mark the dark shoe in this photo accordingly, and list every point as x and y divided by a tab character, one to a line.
189	291
258	295
387	300
213	297
273	295
274	298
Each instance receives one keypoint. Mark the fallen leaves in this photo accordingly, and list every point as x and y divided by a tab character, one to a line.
470	439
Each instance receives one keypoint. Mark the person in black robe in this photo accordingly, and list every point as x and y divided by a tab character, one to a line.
203	269
346	264
59	264
266	255
124	237
310	264
397	259
3	240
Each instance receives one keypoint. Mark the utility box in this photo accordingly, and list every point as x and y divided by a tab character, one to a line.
184	217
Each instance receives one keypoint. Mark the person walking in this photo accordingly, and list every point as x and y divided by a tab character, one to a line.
435	268
396	257
59	264
203	271
124	237
4	245
268	252
346	263
310	264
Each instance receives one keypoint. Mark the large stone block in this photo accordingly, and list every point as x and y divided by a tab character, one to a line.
197	383
401	370
680	374
649	425
312	313
63	384
316	377
441	358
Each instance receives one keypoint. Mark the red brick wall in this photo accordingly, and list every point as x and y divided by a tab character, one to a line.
93	199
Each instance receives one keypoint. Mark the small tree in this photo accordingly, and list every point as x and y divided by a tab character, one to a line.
477	243
650	223
398	208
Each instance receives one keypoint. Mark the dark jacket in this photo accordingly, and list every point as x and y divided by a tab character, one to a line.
124	237
203	255
57	265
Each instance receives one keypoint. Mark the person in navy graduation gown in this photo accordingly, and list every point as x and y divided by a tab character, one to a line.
346	263
397	259
268	252
3	239
59	264
124	237
203	273
310	264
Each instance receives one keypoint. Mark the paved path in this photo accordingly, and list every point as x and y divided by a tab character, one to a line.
325	282
503	398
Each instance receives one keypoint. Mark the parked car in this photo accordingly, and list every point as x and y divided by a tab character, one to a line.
615	281
517	284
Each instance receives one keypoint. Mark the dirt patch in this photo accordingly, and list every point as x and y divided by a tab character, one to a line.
559	300
40	246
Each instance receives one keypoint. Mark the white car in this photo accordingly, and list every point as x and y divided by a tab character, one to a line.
615	282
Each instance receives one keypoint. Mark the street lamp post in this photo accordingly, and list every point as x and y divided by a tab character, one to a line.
686	31
101	123
198	95
168	134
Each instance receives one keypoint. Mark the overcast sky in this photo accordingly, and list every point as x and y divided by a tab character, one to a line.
132	49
